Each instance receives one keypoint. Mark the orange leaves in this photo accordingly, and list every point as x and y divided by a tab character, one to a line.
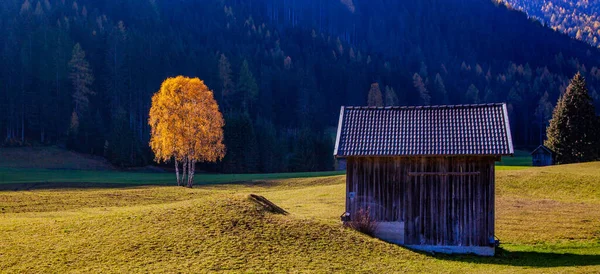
185	122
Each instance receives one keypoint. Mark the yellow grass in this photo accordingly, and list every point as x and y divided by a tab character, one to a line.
544	222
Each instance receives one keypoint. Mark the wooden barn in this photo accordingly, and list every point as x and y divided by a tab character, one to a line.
426	174
542	156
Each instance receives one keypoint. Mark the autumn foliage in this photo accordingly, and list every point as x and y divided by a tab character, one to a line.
186	126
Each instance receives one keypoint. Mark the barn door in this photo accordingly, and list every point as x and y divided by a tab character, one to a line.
447	203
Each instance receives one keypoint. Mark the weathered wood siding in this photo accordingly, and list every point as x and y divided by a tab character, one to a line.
441	200
542	158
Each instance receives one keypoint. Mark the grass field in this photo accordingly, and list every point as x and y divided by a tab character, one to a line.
52	167
22	178
521	158
45	178
547	219
13	177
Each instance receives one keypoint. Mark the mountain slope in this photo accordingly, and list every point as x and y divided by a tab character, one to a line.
577	18
307	59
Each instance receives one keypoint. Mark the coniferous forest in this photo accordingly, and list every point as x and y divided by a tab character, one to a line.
81	73
578	19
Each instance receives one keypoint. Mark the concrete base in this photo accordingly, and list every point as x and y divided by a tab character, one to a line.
392	232
477	250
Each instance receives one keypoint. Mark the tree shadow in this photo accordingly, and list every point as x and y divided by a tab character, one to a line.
525	259
86	185
66	185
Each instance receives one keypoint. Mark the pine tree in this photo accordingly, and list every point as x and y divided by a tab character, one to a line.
123	149
304	154
25	7
375	98
74	124
38	9
270	150
82	78
73	132
225	77
572	134
242	148
247	87
391	99
116	83
543	113
423	92
440	89
473	94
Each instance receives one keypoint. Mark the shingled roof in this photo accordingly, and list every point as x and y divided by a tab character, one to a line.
424	131
543	148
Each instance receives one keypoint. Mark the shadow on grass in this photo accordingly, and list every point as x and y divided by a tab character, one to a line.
54	185
526	259
83	185
327	180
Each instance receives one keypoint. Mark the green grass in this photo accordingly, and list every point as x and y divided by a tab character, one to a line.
35	167
521	158
51	166
60	177
547	219
21	176
570	183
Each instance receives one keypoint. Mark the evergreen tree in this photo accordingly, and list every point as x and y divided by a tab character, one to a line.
247	87
123	149
97	134
304	152
308	101
572	133
472	94
82	78
116	82
440	90
225	77
36	93
543	113
423	92
240	140
271	152
74	124
391	99
375	98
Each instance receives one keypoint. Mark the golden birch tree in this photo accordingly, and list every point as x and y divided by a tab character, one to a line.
186	126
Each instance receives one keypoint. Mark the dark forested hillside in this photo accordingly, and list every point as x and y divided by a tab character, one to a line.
81	73
578	18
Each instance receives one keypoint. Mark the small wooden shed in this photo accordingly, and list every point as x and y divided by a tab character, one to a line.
426	174
542	156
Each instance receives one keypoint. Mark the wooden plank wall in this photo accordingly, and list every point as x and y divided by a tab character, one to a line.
442	200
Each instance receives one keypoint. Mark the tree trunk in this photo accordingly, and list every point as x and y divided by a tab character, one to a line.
192	170
177	172
189	177
184	174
